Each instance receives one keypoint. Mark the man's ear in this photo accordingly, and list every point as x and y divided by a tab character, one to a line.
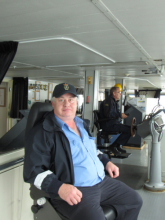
53	103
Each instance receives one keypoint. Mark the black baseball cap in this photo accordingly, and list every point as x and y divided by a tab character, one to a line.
62	89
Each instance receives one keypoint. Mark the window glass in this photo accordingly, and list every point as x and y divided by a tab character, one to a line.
131	95
162	100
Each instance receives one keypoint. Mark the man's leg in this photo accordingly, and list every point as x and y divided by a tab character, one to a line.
125	133
124	199
123	138
109	192
88	209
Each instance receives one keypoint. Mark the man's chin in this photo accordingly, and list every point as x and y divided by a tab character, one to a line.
67	115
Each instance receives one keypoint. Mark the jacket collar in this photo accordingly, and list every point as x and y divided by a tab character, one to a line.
114	98
50	123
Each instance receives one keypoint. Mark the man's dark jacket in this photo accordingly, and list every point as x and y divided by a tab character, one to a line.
109	108
47	148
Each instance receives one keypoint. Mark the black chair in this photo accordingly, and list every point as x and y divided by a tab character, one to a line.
106	135
45	211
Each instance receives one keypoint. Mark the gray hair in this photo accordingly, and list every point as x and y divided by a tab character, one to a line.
113	89
53	99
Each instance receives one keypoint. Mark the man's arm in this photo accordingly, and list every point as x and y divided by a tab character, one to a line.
37	164
103	158
107	108
112	169
70	194
37	170
123	116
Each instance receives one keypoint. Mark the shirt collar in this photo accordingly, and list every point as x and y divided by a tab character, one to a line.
61	123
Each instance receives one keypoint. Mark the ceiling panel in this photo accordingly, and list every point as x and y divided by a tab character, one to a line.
81	20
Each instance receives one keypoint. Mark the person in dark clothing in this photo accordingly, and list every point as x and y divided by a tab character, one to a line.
62	160
109	108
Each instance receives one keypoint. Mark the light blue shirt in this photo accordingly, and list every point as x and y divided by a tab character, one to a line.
88	169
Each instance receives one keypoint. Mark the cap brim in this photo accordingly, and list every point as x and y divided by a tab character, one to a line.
64	92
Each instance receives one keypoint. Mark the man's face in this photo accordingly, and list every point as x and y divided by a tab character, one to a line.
65	107
117	94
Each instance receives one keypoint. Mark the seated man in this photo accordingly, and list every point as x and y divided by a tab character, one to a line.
109	108
61	159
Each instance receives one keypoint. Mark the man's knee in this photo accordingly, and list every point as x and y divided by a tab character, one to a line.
88	213
140	201
122	128
137	200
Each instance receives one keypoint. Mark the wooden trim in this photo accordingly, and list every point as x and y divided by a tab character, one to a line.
135	148
50	87
37	95
2	97
50	90
37	82
49	95
33	94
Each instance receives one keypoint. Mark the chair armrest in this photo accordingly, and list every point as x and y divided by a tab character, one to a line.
104	119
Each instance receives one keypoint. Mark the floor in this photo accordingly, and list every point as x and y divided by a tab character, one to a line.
137	157
153	203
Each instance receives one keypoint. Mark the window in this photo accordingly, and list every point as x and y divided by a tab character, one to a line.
162	100
131	95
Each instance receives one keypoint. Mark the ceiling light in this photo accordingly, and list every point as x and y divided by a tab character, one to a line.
82	65
67	39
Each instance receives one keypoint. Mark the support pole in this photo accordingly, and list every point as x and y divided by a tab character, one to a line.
91	90
155	183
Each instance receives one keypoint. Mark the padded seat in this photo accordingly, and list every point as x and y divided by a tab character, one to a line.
106	135
109	133
112	132
35	115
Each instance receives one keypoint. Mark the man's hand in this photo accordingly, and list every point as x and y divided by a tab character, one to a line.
112	169
70	194
123	116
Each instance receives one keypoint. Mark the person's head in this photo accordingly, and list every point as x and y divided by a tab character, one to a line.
64	101
115	92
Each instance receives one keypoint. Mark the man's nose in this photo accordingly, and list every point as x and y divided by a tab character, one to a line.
66	102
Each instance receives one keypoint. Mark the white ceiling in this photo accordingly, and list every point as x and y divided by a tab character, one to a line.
66	28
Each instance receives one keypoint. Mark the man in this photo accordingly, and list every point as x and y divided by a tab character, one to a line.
109	108
61	159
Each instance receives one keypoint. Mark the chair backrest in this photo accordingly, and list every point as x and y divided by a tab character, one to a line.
36	113
101	110
96	118
98	123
